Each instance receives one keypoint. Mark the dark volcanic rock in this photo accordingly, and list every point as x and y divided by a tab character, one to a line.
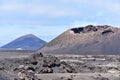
107	32
26	68
77	30
63	78
51	61
26	73
66	68
46	70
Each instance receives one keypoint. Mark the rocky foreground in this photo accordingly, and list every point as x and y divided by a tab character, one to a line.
26	68
61	67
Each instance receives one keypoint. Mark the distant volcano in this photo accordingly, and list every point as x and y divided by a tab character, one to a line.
86	40
26	42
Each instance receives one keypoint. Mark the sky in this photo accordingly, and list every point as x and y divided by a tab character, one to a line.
49	18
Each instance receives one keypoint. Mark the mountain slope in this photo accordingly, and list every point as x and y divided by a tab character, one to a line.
26	42
86	40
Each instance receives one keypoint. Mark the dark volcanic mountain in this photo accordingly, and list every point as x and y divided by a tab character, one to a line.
86	40
26	42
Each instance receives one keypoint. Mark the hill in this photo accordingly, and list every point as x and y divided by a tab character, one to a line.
26	42
86	40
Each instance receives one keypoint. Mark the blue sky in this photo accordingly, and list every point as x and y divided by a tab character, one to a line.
49	18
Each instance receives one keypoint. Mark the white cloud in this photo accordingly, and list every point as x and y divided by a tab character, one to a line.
53	11
110	5
72	9
11	6
50	10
